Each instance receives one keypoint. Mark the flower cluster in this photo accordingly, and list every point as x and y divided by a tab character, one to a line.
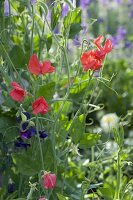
27	130
39	106
18	94
93	59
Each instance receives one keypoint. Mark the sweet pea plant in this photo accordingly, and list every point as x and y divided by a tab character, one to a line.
49	88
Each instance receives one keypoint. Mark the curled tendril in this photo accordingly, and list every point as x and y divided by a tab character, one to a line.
91	122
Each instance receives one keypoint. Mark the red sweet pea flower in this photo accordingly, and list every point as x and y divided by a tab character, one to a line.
93	59
18	93
102	50
89	61
36	67
41	198
49	181
98	41
40	106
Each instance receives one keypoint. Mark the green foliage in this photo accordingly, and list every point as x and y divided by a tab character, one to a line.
61	197
72	23
106	193
55	14
29	163
47	91
85	159
88	140
77	128
18	57
26	163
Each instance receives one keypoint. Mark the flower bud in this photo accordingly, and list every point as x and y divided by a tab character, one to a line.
49	180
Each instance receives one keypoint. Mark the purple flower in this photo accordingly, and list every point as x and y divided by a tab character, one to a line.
11	187
25	125
65	9
118	1
130	2
128	44
84	26
121	32
85	3
76	41
114	41
96	73
100	20
43	134
27	115
6	8
32	2
28	133
19	143
120	36
131	14
104	2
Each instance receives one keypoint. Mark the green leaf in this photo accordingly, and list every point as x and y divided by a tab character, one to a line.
55	14
19	199
29	162
61	197
88	140
77	128
18	57
7	128
48	155
48	40
106	193
26	163
73	22
5	123
47	91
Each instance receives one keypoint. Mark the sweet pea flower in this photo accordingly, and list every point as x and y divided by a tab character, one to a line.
19	143
43	134
42	198
40	106
28	133
36	67
93	59
17	94
11	186
49	180
90	61
102	50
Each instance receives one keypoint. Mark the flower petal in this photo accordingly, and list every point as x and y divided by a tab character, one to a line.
47	67
34	65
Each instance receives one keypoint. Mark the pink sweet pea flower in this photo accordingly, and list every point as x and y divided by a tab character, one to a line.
49	180
40	106
42	198
36	67
17	94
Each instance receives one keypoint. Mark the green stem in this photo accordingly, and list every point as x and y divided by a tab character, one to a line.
29	197
92	154
20	185
32	34
68	71
40	147
118	184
